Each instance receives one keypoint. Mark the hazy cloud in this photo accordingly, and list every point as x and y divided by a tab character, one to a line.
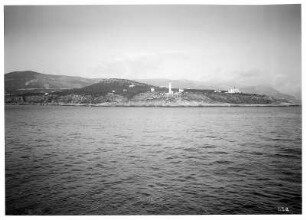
143	65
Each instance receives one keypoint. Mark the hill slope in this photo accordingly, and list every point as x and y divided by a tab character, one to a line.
124	92
266	90
124	87
258	89
21	82
31	87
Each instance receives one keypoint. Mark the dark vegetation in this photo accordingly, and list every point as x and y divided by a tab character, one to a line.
22	82
123	87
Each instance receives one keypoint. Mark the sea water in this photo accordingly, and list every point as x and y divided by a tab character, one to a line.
137	160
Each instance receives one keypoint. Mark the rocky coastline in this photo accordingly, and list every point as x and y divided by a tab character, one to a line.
149	99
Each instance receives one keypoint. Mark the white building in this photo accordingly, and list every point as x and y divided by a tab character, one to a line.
170	90
131	86
152	89
181	90
233	90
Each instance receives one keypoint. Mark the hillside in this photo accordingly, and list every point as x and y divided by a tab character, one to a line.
258	89
124	87
122	90
266	90
125	92
21	82
25	82
28	87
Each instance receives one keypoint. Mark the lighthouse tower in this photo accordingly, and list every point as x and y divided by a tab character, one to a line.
170	91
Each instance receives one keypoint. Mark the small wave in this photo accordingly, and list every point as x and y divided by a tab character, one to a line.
232	169
218	152
175	161
224	162
191	149
256	153
209	146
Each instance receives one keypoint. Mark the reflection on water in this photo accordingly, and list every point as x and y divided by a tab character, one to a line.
95	161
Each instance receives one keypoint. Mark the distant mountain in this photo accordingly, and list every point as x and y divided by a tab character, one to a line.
267	90
29	81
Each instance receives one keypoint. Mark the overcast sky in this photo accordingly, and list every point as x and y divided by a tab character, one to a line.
249	45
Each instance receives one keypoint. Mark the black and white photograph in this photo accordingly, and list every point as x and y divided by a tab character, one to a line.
152	109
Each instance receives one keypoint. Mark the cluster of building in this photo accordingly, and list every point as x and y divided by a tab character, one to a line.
233	90
230	90
170	92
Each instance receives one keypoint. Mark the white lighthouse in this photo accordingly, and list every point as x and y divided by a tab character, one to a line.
170	91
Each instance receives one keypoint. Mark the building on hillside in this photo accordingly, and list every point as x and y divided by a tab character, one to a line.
233	90
131	86
152	89
181	90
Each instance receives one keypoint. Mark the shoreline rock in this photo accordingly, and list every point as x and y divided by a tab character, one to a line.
158	105
197	98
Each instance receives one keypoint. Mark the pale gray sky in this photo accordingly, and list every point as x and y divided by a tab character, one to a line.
245	44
